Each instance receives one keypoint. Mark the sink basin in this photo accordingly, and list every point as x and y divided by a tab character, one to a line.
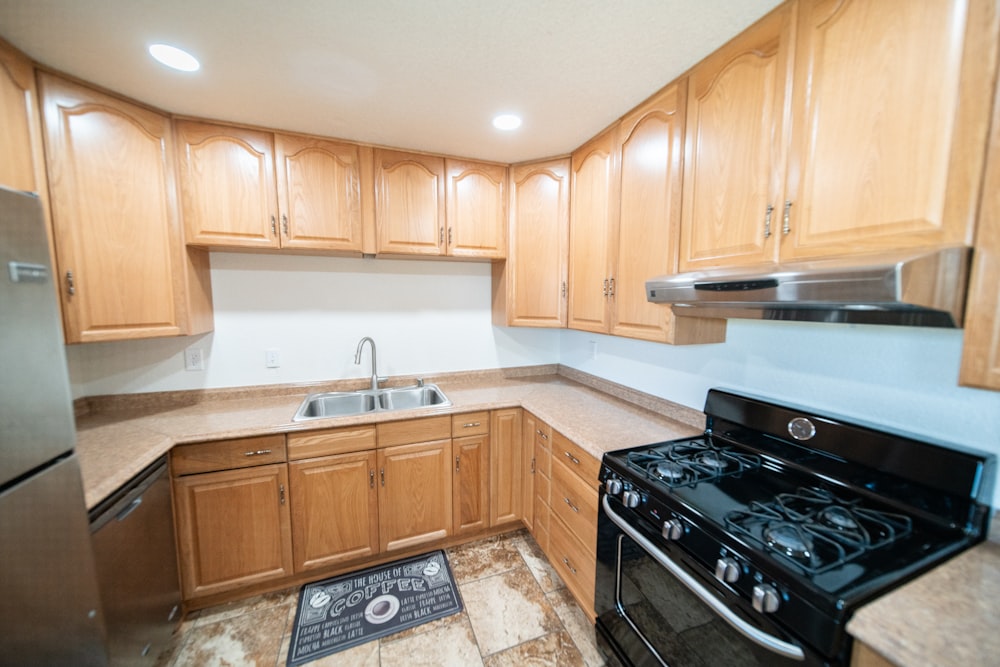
348	403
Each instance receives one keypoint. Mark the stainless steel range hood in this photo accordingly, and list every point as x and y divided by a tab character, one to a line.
915	289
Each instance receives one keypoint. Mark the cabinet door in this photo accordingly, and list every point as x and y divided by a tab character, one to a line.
21	159
529	289
506	466
334	509
528	472
319	193
734	148
117	232
415	494
471	483
233	528
591	222
476	209
228	192
409	203
892	103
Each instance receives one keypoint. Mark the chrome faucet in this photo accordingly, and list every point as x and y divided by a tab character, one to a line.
357	360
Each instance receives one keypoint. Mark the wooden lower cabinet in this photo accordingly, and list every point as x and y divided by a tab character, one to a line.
541	458
505	466
233	528
334	505
470	493
415	494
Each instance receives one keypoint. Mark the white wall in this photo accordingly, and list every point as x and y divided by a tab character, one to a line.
425	316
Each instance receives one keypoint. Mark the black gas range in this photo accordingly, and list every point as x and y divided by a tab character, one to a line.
754	542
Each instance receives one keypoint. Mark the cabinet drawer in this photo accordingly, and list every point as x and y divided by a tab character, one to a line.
543	435
330	441
578	460
470	423
410	431
541	522
542	460
574	562
542	484
227	454
575	502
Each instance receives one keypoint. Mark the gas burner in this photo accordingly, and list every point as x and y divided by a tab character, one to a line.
838	518
671	471
789	539
711	459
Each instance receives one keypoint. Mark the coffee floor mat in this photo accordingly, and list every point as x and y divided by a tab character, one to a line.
349	610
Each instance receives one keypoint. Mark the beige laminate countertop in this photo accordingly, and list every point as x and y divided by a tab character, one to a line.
949	616
117	442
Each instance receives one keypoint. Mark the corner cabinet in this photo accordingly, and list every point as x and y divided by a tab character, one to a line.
529	289
246	188
124	270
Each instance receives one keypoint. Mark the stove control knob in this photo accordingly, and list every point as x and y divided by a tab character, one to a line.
631	499
673	529
613	486
765	599
727	570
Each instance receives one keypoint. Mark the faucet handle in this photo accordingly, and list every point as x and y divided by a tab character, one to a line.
420	382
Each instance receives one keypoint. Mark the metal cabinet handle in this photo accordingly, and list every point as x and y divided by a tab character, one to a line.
572	458
571	505
457	459
381	474
571	568
767	221
532	466
441	235
605	287
274	226
564	289
611	288
371	478
471	424
284	223
544	437
70	283
449	236
281	493
259	452
785	219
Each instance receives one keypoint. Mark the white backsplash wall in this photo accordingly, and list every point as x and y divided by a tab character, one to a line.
425	316
901	378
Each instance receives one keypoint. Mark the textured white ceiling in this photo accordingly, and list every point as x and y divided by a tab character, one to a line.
419	74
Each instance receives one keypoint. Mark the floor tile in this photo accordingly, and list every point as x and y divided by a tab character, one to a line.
555	649
579	627
365	655
507	609
449	645
285	598
253	638
537	563
484	558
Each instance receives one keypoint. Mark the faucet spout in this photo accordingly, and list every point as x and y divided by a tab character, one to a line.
357	360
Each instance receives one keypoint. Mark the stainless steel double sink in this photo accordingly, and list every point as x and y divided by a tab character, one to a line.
349	403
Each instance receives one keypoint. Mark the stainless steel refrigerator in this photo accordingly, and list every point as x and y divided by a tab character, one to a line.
49	604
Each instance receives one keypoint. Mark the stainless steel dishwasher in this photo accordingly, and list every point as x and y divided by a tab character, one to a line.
133	537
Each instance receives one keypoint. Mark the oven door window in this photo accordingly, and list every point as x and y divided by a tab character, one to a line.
661	621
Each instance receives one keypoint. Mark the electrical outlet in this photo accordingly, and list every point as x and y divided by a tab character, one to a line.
272	358
194	359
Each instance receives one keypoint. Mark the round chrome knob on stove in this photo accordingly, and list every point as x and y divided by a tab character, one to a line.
613	487
765	599
727	570
673	529
631	499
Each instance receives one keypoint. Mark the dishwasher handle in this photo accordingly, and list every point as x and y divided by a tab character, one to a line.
128	499
132	506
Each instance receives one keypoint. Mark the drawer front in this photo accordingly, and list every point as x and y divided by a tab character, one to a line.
578	460
542	483
470	423
542	460
574	562
541	523
543	435
411	431
575	502
330	441
227	454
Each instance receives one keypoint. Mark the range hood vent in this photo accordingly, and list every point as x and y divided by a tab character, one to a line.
911	289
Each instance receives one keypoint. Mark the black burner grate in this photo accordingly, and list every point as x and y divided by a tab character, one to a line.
689	462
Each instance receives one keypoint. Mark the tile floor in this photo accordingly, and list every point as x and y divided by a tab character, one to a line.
516	612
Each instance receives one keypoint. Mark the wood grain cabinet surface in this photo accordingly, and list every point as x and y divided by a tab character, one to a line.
470	482
415	494
476	209
865	135
506	467
530	289
409	203
124	271
22	163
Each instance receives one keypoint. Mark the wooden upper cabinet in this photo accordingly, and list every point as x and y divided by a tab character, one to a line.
891	103
228	191
735	146
409	203
529	289
650	146
21	160
124	271
593	213
476	210
319	193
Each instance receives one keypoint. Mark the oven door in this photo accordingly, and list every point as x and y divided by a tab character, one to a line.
653	611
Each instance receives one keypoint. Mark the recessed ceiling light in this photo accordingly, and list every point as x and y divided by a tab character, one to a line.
507	121
171	56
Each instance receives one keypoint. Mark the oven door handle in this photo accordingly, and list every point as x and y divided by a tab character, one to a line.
755	635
